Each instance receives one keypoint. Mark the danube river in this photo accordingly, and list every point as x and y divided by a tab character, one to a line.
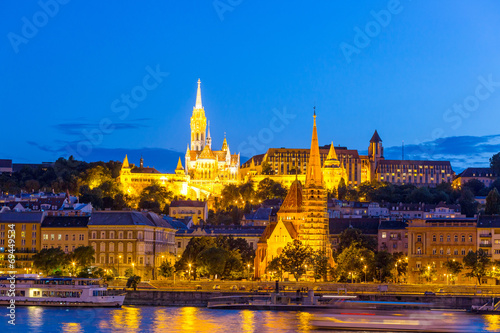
183	319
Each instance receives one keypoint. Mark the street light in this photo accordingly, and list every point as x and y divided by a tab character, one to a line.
119	259
133	269
189	272
248	270
365	273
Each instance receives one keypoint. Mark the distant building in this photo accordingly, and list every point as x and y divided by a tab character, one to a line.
431	242
5	166
421	210
393	236
66	232
130	240
197	210
262	216
27	227
488	235
485	175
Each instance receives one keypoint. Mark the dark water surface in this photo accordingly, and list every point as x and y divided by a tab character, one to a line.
182	319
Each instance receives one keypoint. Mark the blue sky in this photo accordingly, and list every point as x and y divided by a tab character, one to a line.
418	71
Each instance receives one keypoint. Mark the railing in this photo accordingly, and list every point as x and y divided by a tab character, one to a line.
485	235
484	244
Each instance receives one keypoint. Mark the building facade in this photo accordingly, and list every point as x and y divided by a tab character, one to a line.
431	242
66	232
487	176
197	210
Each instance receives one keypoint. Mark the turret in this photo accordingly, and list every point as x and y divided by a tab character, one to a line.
198	123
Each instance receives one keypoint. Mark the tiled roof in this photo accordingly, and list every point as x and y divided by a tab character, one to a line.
187	203
175	223
65	221
25	217
293	200
262	213
478	172
157	220
393	225
119	218
376	138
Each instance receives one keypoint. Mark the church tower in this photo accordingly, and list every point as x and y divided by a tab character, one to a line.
332	170
375	153
198	123
314	230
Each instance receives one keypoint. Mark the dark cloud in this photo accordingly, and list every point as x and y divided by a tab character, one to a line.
77	128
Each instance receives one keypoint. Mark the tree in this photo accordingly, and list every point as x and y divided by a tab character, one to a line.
428	273
266	168
477	262
453	269
401	262
133	281
166	269
467	202
82	256
195	246
495	163
294	257
492	202
351	262
275	266
384	263
129	272
319	264
353	235
50	260
154	197
240	245
475	186
212	261
341	189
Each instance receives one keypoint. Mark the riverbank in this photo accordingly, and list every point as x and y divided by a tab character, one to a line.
201	298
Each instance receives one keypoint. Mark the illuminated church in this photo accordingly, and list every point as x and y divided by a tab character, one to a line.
303	214
205	171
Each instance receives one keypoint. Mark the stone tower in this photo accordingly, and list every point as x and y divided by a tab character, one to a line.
198	123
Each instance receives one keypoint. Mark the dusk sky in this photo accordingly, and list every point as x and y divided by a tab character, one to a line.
415	71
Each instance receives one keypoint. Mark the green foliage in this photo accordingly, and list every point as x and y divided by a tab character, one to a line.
352	235
266	168
477	262
50	260
467	202
133	281
269	189
351	263
495	163
453	268
342	189
318	261
154	197
294	258
166	269
195	246
492	202
82	256
275	267
384	263
428	274
129	272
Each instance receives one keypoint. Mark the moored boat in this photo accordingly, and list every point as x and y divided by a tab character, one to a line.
31	289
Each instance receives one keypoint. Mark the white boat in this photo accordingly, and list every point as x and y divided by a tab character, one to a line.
388	321
29	289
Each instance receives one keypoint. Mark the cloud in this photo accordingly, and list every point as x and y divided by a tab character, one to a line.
75	129
461	151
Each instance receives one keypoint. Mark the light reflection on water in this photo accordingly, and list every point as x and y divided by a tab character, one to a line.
182	319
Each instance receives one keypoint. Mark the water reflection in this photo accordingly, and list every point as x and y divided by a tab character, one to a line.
186	319
492	323
247	321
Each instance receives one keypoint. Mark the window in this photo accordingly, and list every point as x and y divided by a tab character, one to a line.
448	238
66	237
455	252
179	245
93	236
129	235
120	235
59	237
448	251
33	227
52	237
419	238
103	234
129	247
82	237
120	247
102	247
141	260
111	260
139	235
419	250
441	238
129	260
66	248
470	238
463	252
441	251
434	251
433	238
112	235
45	236
463	238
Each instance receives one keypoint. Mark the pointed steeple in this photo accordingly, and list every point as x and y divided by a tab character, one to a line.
198	96
209	138
376	138
224	143
314	175
125	162
331	159
179	165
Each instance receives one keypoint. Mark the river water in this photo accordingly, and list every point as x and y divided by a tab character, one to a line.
180	319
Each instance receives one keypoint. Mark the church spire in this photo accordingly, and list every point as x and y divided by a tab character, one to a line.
313	174
198	96
125	163
331	159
